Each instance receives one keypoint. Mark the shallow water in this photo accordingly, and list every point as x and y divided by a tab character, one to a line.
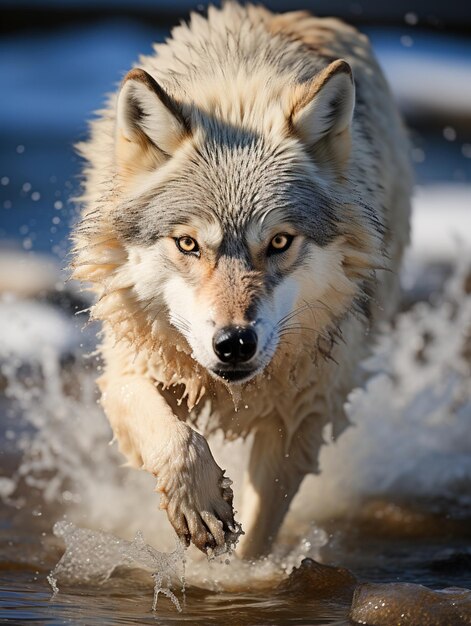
127	596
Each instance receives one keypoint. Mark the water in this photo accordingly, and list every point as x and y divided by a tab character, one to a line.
392	504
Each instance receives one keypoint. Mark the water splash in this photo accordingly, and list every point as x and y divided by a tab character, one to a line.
92	557
410	441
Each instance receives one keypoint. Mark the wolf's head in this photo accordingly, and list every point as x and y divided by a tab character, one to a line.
231	214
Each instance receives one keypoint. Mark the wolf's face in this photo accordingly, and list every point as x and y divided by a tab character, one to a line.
232	234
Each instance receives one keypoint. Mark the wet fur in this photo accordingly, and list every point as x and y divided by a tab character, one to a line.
238	82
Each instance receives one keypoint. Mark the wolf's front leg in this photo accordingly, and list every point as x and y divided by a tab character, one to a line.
273	477
195	493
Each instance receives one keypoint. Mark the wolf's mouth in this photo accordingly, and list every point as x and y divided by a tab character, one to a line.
234	376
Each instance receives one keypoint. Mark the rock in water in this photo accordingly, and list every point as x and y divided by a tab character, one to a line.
406	604
312	579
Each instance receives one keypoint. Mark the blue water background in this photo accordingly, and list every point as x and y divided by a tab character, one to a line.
52	82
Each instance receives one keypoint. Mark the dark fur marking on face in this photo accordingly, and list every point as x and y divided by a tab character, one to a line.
144	221
278	274
234	245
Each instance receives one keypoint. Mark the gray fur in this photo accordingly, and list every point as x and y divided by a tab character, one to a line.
221	183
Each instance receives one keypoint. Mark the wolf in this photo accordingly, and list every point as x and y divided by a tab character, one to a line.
245	210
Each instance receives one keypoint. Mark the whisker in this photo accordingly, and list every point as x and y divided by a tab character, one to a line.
151	301
181	323
297	311
292	331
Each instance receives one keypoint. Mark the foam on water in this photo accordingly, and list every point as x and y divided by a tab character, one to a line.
410	439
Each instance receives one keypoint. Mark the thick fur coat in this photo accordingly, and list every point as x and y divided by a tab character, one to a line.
251	176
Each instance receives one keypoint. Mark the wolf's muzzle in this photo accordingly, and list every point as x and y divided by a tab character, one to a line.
235	344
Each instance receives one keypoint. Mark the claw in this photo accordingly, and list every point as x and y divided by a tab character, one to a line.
205	516
225	482
228	495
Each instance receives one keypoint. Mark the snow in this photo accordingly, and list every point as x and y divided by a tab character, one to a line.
441	222
31	329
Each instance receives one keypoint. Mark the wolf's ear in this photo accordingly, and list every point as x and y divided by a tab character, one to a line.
324	107
149	123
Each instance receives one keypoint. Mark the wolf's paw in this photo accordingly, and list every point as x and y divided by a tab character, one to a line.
198	497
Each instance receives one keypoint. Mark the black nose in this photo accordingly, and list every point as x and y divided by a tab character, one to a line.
235	344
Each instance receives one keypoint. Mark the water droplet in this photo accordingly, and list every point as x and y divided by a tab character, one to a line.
411	18
449	133
4	180
53	582
236	397
418	155
20	149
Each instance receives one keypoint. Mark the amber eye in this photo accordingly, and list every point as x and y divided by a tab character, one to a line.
187	245
280	243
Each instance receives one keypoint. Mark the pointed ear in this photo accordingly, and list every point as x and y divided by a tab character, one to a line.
149	123
324	107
